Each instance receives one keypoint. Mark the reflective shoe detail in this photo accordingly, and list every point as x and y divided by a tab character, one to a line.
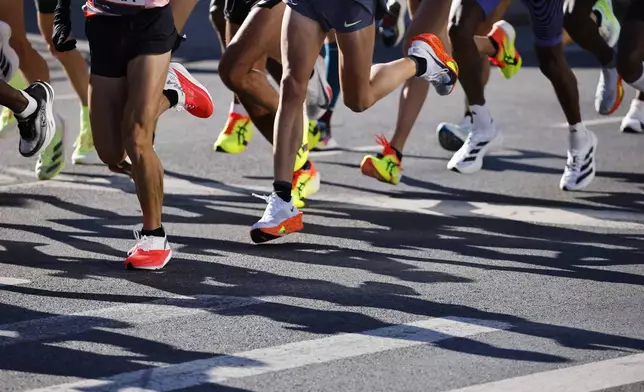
314	134
280	218
385	167
507	57
306	183
452	136
442	70
39	129
610	91
149	253
51	160
580	166
193	96
633	122
236	135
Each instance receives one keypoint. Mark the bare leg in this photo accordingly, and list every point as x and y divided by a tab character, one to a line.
12	98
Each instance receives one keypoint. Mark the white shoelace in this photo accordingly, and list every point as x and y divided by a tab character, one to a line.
272	208
142	242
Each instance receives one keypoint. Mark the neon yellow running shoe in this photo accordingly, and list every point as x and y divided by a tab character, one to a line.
609	27
306	182
84	144
8	123
51	160
507	57
236	134
385	167
314	134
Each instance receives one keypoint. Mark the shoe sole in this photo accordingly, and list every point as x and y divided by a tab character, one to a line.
618	101
629	129
260	236
447	139
477	165
130	266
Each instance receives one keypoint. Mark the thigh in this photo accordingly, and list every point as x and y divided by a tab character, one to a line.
45	6
258	36
181	10
547	18
301	40
46	26
355	60
432	16
106	102
12	13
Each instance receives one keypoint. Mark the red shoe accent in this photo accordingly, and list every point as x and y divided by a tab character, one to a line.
198	100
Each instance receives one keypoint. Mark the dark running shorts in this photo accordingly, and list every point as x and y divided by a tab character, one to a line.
115	40
344	16
236	11
636	10
45	6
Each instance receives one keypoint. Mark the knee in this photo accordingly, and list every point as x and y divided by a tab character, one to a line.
550	63
110	154
231	70
461	32
293	90
628	65
356	102
138	131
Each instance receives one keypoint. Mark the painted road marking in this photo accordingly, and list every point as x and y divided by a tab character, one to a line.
583	378
4	281
287	356
596	121
117	317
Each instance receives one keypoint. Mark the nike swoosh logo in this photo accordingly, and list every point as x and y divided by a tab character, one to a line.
351	24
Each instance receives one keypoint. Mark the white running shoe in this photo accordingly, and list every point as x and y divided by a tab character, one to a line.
318	93
442	71
9	61
633	122
149	252
452	136
280	218
610	91
609	27
38	130
484	137
51	160
580	166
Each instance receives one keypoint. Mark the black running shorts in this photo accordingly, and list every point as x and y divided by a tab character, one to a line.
45	6
636	10
236	11
115	40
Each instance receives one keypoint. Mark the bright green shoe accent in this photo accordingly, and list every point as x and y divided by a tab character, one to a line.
507	57
84	144
385	167
314	134
303	152
52	160
19	82
609	28
8	123
236	135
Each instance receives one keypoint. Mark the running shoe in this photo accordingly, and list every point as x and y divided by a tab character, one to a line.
385	167
580	166
323	126
9	61
193	96
319	93
303	153
452	136
84	144
51	160
236	135
280	218
8	123
483	138
314	134
442	71
610	91
149	252
392	26
306	183
507	58
38	130
609	26
633	122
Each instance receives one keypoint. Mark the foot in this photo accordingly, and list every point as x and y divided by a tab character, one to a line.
609	27
149	253
392	27
51	160
580	166
306	183
507	57
442	71
452	136
84	144
280	218
610	91
633	122
39	129
483	138
236	135
192	95
384	167
326	141
319	93
9	61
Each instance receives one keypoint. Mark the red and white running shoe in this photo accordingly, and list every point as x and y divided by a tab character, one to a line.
149	253
193	96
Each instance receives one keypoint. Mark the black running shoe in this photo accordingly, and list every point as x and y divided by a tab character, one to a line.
37	130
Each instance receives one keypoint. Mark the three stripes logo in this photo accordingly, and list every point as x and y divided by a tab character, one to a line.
474	152
587	166
5	65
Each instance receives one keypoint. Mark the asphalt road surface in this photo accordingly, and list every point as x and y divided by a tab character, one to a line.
496	281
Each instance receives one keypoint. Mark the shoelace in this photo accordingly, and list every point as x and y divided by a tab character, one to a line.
272	204
142	242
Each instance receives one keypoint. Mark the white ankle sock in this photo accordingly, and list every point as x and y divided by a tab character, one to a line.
32	105
639	83
577	136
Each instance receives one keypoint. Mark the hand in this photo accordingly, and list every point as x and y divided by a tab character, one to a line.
62	30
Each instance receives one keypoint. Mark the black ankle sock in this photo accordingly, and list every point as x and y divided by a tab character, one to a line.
172	96
421	65
496	46
283	190
154	233
398	154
